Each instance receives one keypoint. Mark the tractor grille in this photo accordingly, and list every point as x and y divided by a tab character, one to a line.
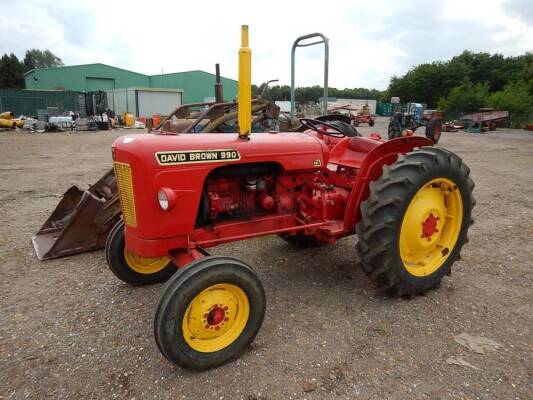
125	190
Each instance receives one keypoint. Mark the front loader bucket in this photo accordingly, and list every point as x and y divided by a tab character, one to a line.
81	221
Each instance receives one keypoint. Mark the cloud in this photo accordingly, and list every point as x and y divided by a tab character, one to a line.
369	42
522	9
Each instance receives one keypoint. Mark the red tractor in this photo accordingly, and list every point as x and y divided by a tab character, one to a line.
409	203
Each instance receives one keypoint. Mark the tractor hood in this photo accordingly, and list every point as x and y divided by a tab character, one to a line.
146	164
292	150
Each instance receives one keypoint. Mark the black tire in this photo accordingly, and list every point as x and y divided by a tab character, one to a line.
393	132
382	215
300	240
114	252
371	122
180	291
434	130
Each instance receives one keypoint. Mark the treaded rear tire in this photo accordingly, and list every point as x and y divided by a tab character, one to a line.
382	214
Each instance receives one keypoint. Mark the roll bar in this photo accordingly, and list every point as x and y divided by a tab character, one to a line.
296	44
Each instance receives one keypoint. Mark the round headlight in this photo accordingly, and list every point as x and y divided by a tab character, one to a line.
163	199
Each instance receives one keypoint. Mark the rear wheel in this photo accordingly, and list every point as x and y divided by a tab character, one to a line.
209	312
132	268
415	221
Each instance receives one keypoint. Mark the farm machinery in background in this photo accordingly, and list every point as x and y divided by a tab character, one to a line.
357	116
406	119
485	119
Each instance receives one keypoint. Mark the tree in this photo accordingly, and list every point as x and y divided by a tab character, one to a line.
36	58
467	97
515	98
11	72
427	83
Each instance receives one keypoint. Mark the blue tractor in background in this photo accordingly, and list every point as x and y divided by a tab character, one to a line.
406	118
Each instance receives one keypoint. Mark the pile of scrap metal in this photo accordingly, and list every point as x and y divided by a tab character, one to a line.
220	115
357	116
83	218
8	122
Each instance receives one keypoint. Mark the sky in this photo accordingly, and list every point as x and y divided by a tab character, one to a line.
369	40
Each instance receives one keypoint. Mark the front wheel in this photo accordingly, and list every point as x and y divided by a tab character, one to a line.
415	221
209	312
371	122
132	268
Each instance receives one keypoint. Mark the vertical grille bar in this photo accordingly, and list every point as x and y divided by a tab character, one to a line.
125	190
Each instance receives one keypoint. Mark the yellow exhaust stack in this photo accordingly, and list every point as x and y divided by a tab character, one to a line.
245	85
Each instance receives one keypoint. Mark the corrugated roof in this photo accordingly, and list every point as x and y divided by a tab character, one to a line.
123	69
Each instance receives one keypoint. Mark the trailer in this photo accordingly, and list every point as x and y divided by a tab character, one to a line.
485	119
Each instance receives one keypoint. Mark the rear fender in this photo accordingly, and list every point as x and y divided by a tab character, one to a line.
371	168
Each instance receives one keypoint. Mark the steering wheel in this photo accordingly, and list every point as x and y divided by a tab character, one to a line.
318	126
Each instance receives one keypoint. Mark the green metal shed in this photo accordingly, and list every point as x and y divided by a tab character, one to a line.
196	85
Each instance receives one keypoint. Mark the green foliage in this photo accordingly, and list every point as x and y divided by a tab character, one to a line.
312	94
41	59
517	98
11	72
12	69
467	97
427	83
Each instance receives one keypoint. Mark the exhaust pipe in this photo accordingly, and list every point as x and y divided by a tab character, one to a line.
245	86
219	89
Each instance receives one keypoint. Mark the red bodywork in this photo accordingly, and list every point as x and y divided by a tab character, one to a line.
281	183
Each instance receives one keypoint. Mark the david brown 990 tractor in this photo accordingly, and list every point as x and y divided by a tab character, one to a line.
409	203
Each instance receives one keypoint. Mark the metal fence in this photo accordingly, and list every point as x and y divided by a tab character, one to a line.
27	102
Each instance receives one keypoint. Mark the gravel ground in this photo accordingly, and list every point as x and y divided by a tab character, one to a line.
69	329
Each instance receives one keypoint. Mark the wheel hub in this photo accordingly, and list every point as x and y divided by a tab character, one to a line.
215	317
430	226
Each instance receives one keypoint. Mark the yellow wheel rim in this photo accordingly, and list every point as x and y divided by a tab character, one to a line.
145	265
431	227
215	318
